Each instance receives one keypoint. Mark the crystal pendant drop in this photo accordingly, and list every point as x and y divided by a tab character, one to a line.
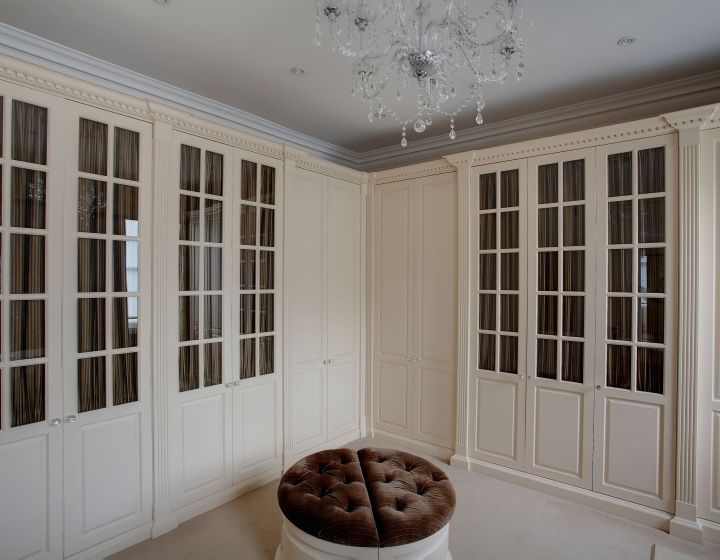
419	126
452	134
428	120
370	116
479	119
403	142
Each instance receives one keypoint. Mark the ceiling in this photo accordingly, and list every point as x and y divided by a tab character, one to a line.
239	52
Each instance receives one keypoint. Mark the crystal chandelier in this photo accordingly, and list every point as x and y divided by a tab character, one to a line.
439	49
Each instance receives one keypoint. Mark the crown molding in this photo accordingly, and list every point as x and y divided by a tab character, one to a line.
304	160
413	172
31	48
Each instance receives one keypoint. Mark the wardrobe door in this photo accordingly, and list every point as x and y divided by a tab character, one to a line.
31	434
307	244
636	321
201	354
343	307
106	334
498	288
393	386
435	308
561	314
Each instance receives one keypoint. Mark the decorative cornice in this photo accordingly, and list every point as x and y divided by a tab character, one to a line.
413	172
303	160
697	117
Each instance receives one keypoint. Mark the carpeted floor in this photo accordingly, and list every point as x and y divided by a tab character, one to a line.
494	520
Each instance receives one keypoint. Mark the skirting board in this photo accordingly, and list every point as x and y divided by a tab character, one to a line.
711	531
437	451
116	544
340	441
640	514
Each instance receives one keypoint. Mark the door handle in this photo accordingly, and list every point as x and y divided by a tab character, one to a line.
599	387
55	422
71	419
229	384
331	361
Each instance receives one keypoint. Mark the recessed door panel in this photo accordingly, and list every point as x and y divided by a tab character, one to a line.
496	433
393	390
203	443
308	416
436	406
256	428
342	398
715	466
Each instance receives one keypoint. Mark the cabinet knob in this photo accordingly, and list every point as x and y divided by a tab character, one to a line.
71	419
324	362
521	377
331	361
230	384
55	422
599	387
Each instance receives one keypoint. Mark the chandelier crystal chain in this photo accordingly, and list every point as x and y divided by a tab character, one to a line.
439	52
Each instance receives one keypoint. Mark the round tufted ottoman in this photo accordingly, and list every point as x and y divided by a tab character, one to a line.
373	503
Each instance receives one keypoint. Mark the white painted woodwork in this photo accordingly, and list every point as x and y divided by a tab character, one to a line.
324	242
415	308
634	457
559	417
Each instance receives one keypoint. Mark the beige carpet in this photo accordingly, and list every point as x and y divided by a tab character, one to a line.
494	520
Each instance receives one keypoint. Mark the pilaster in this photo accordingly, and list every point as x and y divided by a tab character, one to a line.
365	259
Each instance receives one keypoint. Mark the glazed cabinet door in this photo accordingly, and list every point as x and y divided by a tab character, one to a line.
561	312
394	279
106	326
498	199
636	321
31	400
343	307
435	309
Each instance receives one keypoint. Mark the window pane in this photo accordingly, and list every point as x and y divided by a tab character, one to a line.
189	268
510	271
486	312
91	265
190	168
651	220
619	326
247	358
27	264
126	266
619	366
127	154
508	354
125	322
189	318
510	188
213	221
574	180
92	203
620	222
548	271
573	361
189	366
574	271
213	173
573	226
125	211
651	320
2	111
213	317
28	198
189	218
548	183
27	395
547	315
574	316
213	268
486	352
92	157
651	170
267	355
91	325
487	191
651	273
267	313
247	314
488	273
509	313
249	180
267	270
125	379
213	364
547	358
247	269
267	185
488	230
29	133
548	227
650	370
267	227
27	329
510	230
91	384
620	174
247	225
620	265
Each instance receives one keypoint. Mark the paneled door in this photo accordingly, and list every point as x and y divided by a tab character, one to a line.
636	321
561	317
31	413
202	415
106	326
498	199
394	245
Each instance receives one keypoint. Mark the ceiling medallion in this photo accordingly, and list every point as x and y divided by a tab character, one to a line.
436	50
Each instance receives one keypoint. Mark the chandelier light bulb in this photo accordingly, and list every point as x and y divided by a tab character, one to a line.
442	50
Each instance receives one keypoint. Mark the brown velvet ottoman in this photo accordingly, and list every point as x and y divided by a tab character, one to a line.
373	503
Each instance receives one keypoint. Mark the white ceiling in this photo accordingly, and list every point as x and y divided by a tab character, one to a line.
239	52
